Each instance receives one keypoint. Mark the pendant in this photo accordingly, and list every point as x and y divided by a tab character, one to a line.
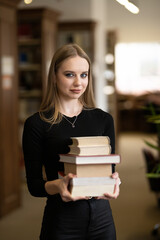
73	126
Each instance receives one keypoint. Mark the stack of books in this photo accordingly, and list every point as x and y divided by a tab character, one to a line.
90	159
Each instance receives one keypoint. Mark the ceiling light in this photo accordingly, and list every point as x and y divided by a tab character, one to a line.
132	8
27	1
129	6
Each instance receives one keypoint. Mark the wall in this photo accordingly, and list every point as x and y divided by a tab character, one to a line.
69	9
143	27
130	27
98	13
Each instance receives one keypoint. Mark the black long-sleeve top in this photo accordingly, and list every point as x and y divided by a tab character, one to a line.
42	143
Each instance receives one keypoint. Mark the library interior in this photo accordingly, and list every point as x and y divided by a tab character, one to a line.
123	43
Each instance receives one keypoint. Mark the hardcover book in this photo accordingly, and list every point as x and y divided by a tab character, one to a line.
90	141
88	170
90	150
97	159
94	187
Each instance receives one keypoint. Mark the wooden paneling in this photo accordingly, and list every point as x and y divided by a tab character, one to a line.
9	155
49	35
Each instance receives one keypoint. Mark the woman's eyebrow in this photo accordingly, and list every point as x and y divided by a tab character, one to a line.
69	71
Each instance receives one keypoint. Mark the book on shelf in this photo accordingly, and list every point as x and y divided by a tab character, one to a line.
96	159
90	150
94	186
88	170
90	141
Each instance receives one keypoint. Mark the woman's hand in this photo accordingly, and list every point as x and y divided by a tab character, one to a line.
64	192
61	186
116	188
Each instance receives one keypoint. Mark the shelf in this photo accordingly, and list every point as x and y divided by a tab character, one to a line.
36	34
29	67
36	93
28	42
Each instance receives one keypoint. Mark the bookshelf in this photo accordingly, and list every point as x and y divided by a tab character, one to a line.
80	32
37	29
36	35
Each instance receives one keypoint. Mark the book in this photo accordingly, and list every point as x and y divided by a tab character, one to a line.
93	187
88	170
90	150
90	141
97	159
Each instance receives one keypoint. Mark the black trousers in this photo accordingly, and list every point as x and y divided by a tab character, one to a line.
80	220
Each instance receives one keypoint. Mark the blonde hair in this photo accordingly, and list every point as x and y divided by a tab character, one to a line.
51	98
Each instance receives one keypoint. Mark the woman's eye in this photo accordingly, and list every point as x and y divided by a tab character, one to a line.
84	75
69	75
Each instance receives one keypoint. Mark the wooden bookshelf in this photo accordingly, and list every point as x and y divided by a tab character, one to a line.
37	31
10	197
80	32
36	36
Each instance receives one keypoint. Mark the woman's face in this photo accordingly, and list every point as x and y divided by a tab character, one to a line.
72	78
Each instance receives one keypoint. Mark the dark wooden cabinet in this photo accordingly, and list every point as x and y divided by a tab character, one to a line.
9	154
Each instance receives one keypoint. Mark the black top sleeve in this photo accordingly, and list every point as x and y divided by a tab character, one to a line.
33	152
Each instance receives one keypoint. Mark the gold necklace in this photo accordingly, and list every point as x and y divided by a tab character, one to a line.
73	124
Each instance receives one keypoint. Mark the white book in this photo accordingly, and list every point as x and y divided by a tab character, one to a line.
98	159
93	186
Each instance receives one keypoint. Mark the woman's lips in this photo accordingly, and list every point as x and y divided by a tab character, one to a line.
76	90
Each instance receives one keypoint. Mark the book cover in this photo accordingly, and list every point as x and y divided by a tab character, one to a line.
88	170
90	141
97	159
90	150
93	187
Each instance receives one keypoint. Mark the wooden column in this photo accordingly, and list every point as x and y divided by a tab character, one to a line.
9	154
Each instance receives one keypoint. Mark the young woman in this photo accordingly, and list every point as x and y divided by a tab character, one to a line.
67	110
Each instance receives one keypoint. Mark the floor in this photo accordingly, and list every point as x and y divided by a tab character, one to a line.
135	211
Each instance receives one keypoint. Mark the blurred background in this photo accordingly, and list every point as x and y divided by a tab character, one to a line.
122	39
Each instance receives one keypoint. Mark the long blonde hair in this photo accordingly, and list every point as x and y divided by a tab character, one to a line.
51	98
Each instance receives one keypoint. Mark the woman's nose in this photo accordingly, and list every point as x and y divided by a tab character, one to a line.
77	80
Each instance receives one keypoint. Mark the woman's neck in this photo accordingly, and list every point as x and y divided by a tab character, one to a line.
71	109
